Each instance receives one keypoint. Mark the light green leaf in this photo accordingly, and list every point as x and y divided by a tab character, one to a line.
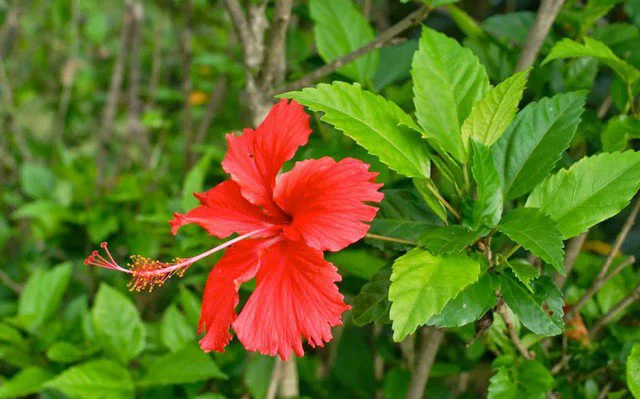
465	22
356	262
426	188
541	310
457	89
527	380
487	208
64	352
537	233
536	139
524	271
190	304
590	191
491	116
43	294
620	129
447	239
373	122
175	331
339	30
37	181
568	48
257	375
194	181
372	303
97	379
633	371
501	386
118	326
422	284
188	365
28	381
470	305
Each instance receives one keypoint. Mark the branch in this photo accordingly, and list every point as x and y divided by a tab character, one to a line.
431	338
215	101
274	53
156	62
600	279
135	107
619	307
276	374
546	16
10	283
501	309
289	380
410	20
187	122
390	239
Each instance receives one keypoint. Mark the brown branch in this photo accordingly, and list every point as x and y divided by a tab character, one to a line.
600	279
240	26
431	338
186	52
619	307
547	14
10	283
574	246
501	309
215	101
409	21
135	107
274	52
289	381
276	375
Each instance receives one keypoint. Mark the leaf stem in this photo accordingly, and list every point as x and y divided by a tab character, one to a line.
390	239
443	201
512	251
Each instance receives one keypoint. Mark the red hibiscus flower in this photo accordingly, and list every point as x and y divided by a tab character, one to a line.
284	222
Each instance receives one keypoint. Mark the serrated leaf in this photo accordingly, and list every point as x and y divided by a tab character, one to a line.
536	139
447	239
28	381
620	129
189	364
590	191
633	371
501	386
491	116
372	302
97	379
487	208
373	122
175	331
470	305
457	89
422	284
524	271
568	48
118	326
541	310
537	233
340	29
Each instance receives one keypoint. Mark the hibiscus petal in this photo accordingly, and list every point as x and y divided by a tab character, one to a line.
238	265
255	158
326	199
224	211
295	297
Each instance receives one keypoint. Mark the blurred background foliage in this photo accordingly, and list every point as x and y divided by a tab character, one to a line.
104	133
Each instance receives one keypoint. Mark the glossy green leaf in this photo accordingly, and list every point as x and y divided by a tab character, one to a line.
501	386
97	379
590	191
487	208
620	129
65	352
426	188
175	331
533	143
340	29
457	89
356	262
194	182
491	116
422	284
189	364
447	239
541	310
537	233
524	271
118	326
372	302
373	122
633	371
26	382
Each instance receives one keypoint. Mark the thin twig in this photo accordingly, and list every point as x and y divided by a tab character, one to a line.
274	52
619	307
605	391
156	63
10	283
443	201
600	279
276	375
289	381
574	246
547	14
501	309
409	21
215	101
390	239
431	338
135	107
604	107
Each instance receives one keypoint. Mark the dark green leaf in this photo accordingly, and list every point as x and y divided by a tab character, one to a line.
372	303
28	381
488	206
175	331
447	239
97	379
189	364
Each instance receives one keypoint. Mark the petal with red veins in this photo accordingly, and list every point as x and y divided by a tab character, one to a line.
238	265
326	201
224	211
255	157
296	297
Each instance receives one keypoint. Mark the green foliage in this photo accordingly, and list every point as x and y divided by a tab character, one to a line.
103	379
529	379
447	239
372	305
619	131
633	371
524	271
488	206
187	365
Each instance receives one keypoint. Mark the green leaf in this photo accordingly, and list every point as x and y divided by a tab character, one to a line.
501	386
37	181
118	326
537	233
541	310
514	26
373	122
590	191
430	198
465	22
457	89
372	304
175	331
190	304
633	371
64	352
447	239
528	380
524	271
620	129
97	379
28	381
568	48
422	284
491	116
257	375
194	181
536	139
395	64
43	294
488	206
470	305
188	365
339	30
356	262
